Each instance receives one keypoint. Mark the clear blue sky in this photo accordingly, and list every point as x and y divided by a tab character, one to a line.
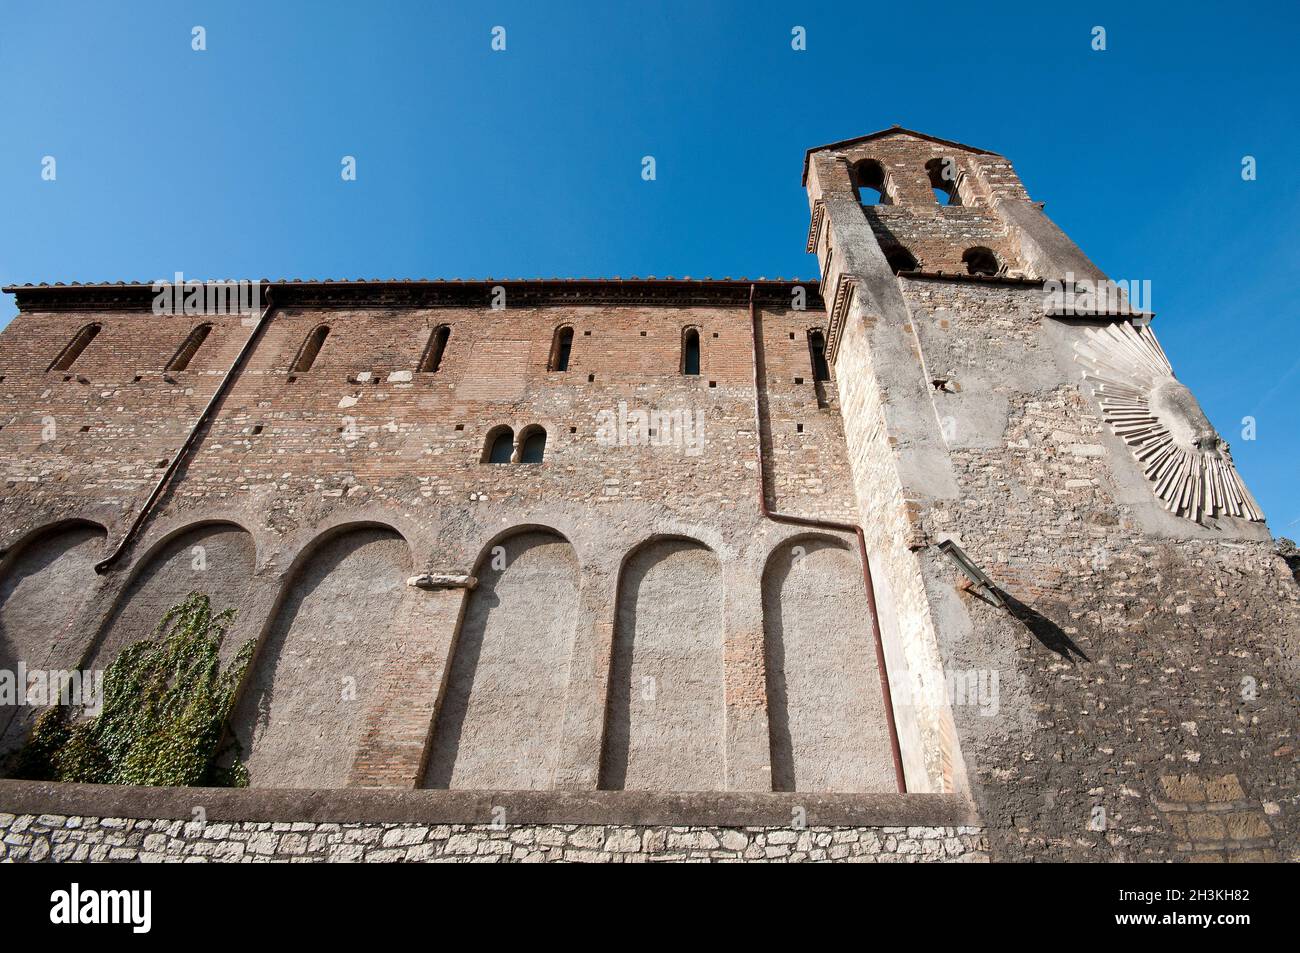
527	162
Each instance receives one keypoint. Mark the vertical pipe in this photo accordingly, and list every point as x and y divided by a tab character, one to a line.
899	776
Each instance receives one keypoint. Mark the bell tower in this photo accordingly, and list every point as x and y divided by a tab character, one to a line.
1034	485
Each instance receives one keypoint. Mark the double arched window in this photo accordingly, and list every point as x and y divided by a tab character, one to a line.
501	446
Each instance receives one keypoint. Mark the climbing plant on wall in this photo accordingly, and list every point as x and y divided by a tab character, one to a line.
163	716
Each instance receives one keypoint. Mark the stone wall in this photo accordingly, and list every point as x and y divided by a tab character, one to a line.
54	838
87	822
406	686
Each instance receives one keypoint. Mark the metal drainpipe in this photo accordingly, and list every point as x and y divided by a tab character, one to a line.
896	751
103	566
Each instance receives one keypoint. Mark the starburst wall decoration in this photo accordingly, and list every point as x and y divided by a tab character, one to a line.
1180	452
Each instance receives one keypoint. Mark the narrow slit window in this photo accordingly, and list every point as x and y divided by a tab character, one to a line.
561	347
534	446
310	350
817	351
500	446
68	356
431	359
691	352
181	359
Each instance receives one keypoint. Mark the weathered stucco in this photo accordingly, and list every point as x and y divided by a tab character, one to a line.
501	719
666	725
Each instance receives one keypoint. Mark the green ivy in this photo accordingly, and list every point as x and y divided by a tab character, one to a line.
165	707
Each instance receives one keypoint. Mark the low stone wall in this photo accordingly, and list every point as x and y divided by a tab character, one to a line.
53	837
73	822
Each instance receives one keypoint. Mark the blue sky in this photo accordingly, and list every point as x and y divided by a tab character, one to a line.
524	163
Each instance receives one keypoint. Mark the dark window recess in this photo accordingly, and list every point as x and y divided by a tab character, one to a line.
869	180
310	349
817	352
501	445
68	356
900	259
460	426
534	446
431	359
798	428
257	428
691	351
943	180
189	347
591	378
561	347
981	261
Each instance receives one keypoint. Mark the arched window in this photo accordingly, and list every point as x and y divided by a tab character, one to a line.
500	445
68	356
943	179
900	259
310	349
431	359
181	359
533	445
817	352
869	180
981	261
691	351
561	345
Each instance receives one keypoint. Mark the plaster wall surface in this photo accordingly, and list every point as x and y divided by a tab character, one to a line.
299	720
665	730
40	592
823	686
500	724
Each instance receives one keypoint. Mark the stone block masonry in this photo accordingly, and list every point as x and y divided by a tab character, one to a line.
32	838
250	826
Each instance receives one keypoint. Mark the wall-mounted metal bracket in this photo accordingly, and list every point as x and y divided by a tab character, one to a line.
972	572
